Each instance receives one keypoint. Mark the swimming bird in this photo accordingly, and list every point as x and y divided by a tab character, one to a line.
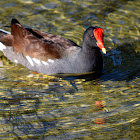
50	54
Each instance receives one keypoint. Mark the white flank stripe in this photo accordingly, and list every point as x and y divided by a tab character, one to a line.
15	61
36	61
2	46
5	31
50	60
45	63
30	60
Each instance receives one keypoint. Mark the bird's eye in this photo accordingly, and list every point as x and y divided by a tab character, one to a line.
92	36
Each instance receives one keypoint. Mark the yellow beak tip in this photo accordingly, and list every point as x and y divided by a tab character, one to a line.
104	50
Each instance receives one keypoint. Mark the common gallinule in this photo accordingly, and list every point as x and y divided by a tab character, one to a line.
50	54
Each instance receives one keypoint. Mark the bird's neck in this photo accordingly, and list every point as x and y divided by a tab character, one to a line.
90	49
92	55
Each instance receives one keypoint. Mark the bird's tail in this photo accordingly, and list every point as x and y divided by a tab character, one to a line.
3	32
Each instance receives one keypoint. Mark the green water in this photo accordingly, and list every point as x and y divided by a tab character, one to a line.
37	106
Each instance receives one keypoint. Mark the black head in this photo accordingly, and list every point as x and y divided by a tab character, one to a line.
93	37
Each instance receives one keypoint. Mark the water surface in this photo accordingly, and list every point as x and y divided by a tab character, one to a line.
37	106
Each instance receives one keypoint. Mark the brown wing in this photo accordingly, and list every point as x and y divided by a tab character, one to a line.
36	46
